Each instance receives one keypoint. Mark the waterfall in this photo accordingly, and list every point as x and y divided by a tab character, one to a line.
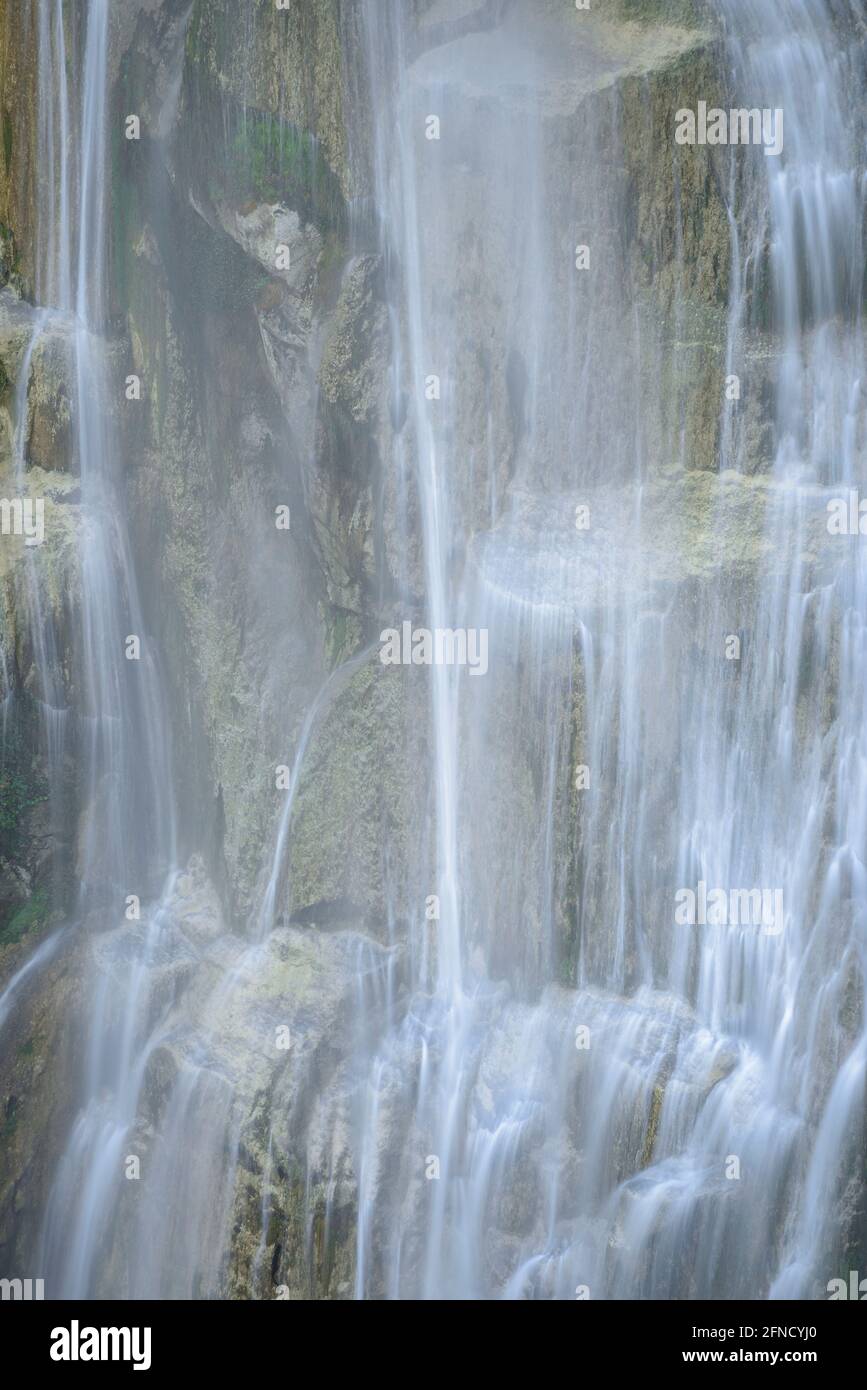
478	1113
812	253
714	1049
123	735
541	1079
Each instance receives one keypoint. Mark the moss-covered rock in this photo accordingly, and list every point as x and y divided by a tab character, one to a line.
287	63
32	916
19	172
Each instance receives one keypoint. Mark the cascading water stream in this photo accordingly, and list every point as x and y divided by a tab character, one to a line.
123	738
815	844
468	1098
723	1045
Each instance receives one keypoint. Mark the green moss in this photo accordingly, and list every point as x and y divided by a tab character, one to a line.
33	915
342	635
20	788
272	161
10	1118
9	259
685	12
17	795
208	38
13	801
194	31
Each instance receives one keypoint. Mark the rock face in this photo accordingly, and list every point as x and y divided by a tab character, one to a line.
19	131
273	542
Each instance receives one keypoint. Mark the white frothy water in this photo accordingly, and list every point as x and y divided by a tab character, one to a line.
553	1165
123	735
711	1124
